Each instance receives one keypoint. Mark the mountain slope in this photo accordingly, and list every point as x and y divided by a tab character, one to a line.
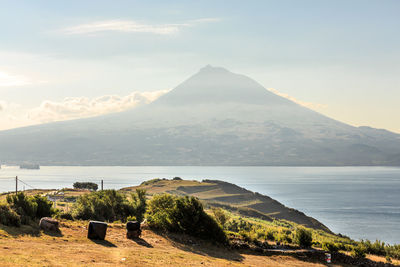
213	118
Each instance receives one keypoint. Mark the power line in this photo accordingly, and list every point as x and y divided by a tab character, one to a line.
26	184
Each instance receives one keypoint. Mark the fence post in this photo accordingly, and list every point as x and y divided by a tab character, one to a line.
16	184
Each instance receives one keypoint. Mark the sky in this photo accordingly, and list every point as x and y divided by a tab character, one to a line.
71	59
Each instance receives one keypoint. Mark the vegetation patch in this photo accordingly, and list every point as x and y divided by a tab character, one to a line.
183	215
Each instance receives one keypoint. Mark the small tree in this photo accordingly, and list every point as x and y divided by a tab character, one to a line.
139	203
303	237
86	185
220	216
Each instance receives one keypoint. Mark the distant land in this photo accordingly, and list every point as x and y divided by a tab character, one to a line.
215	117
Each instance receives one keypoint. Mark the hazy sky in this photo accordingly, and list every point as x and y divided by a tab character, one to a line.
71	59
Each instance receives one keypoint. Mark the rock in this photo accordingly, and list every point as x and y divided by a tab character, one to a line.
133	229
49	224
97	230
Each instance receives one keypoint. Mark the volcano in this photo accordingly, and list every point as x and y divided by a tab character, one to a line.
215	117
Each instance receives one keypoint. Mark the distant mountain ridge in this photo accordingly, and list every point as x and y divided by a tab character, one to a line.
215	117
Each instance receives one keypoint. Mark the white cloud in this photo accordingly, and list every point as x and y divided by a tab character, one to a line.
10	80
301	103
131	26
13	115
83	107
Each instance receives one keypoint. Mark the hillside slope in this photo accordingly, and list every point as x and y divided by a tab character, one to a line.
232	197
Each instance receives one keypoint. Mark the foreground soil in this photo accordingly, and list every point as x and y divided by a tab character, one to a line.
29	247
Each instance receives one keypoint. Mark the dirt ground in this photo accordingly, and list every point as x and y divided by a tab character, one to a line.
72	248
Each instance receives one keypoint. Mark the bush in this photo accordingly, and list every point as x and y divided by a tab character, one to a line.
66	216
24	206
303	237
270	236
8	216
329	246
359	251
284	238
131	218
86	185
106	205
152	181
139	204
377	248
220	216
177	178
183	215
44	207
30	207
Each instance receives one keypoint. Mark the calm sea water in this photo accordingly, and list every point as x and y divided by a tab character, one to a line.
361	202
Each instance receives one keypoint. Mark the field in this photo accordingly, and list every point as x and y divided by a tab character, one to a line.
27	246
260	235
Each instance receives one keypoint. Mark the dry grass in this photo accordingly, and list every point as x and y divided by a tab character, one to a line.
72	248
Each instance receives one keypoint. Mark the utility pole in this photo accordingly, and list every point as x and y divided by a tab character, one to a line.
16	184
101	185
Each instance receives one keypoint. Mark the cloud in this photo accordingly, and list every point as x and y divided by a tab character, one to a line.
13	115
83	107
301	103
130	26
9	80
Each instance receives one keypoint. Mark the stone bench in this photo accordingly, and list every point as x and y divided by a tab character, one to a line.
97	230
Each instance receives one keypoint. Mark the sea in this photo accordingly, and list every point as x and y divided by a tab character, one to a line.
359	202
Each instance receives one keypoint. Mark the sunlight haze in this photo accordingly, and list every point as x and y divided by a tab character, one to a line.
79	59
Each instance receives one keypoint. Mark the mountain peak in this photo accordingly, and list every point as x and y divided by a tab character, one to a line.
218	85
209	68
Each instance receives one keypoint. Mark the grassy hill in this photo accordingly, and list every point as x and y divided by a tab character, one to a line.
232	197
260	232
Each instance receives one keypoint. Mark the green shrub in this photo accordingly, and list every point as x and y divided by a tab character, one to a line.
377	248
160	210
177	178
131	218
8	216
66	216
359	251
106	205
283	237
85	185
329	246
139	204
303	237
44	207
152	181
183	215
270	236
220	216
249	237
24	206
30	207
260	234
